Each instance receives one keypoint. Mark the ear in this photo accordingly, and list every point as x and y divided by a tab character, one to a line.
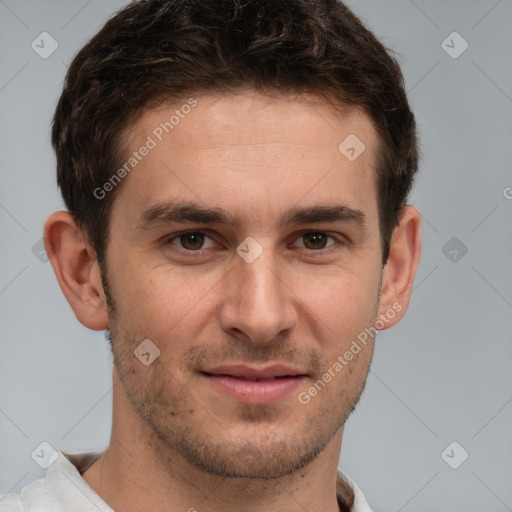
77	270
401	266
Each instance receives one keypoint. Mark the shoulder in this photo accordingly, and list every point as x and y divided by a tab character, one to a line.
31	494
11	503
62	488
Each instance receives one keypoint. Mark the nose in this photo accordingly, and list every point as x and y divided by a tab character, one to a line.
258	301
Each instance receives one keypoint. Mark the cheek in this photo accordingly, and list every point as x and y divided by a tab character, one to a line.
161	301
344	302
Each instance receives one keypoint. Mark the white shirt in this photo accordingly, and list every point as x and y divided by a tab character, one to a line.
64	490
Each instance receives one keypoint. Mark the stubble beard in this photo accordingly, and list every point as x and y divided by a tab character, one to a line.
170	414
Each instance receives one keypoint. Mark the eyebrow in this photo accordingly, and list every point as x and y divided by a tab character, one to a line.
165	213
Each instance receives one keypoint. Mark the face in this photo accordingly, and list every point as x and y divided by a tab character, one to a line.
245	246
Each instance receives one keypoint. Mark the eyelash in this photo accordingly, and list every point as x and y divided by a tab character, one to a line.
338	243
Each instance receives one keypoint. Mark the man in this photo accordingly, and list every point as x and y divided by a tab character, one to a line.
236	177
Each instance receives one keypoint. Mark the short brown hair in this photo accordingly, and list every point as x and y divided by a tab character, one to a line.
155	50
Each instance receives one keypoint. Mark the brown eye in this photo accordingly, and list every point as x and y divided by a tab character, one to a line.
315	240
192	241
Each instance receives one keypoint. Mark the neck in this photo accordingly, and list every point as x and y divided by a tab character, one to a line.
138	471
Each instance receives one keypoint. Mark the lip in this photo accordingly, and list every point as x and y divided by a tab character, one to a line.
252	385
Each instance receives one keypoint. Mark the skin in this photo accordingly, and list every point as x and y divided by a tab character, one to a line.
177	442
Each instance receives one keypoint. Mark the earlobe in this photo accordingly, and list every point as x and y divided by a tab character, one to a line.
401	266
77	270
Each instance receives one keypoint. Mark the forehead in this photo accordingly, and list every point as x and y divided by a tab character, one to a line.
277	148
216	118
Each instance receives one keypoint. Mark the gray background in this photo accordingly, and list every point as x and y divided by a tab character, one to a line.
442	375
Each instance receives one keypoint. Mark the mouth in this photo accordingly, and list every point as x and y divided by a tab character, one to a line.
252	385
